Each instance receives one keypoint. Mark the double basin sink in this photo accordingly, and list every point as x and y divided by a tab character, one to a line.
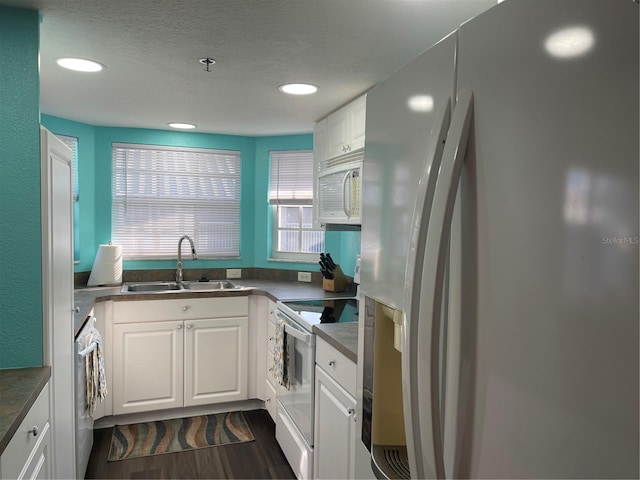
164	287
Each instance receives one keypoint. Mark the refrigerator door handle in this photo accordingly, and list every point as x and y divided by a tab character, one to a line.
433	277
413	287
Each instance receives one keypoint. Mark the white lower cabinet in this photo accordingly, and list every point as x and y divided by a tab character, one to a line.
216	353
183	362
28	454
148	366
335	429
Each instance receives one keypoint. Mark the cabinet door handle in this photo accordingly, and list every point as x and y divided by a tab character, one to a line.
76	309
179	327
268	400
332	363
34	431
270	339
350	411
189	326
185	308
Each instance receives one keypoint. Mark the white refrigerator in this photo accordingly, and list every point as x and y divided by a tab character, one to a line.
500	217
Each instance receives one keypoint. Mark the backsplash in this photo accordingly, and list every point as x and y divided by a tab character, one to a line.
192	274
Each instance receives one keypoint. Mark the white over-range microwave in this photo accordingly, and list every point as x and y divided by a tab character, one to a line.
338	190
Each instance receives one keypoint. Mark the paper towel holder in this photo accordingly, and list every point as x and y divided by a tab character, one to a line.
107	266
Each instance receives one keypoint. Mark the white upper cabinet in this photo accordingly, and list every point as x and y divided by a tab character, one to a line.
319	143
357	123
338	145
345	129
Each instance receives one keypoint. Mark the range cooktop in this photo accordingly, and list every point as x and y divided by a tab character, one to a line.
314	312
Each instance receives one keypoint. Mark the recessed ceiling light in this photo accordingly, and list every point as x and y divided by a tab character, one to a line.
80	64
182	126
298	88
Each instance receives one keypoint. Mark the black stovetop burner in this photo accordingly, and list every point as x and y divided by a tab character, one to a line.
313	312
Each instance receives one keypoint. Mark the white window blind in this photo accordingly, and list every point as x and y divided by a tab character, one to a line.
291	194
291	180
162	193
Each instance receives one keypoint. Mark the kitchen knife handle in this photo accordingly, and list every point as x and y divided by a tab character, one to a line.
332	264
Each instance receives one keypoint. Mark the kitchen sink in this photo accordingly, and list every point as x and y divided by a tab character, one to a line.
160	287
151	287
211	285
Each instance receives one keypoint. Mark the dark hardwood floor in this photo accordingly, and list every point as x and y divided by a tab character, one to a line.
261	458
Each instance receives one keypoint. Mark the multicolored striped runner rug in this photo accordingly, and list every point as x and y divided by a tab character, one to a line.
166	436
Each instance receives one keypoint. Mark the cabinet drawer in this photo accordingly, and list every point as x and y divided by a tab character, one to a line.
270	399
24	443
179	308
337	365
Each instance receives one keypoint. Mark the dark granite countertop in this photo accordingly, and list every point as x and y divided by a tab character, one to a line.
19	389
86	298
342	336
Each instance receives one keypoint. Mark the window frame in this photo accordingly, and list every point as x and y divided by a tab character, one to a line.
277	202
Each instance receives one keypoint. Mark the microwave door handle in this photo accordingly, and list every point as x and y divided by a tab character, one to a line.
344	191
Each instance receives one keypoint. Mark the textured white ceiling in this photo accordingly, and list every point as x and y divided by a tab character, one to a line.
151	49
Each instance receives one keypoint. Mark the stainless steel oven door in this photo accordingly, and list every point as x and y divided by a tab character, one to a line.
298	399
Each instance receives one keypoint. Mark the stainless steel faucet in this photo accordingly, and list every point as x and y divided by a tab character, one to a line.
194	255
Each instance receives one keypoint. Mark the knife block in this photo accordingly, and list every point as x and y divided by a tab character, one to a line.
338	283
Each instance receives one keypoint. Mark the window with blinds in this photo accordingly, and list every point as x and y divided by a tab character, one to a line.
162	193
291	197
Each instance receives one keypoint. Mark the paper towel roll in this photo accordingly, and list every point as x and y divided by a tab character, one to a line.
107	267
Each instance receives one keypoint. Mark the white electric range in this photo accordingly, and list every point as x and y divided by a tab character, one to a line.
295	405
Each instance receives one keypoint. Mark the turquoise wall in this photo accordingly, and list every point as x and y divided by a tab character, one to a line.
106	136
20	231
95	193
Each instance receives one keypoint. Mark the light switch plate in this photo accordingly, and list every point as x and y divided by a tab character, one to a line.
304	276
234	273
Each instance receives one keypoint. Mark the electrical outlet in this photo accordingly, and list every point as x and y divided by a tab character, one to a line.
304	276
234	273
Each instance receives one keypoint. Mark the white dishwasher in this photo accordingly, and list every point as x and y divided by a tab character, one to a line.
83	420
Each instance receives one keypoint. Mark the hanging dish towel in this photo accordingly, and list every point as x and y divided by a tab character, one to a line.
280	355
96	383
